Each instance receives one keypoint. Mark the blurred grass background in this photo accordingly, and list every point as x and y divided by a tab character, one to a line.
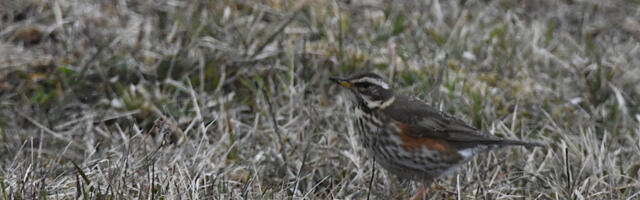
229	99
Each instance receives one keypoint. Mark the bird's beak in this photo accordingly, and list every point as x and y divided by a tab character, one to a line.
341	81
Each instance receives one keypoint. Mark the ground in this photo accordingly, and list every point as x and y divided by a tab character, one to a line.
230	99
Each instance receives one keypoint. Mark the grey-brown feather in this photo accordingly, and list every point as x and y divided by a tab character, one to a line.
425	121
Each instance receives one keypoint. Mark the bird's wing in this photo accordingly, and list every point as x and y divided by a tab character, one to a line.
423	120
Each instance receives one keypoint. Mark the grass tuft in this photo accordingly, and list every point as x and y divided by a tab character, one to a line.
231	99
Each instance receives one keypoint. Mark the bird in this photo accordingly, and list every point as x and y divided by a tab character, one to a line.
408	137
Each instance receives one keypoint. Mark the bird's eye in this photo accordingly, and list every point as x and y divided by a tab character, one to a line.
363	85
367	85
367	88
373	89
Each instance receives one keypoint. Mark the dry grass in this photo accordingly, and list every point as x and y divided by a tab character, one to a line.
230	99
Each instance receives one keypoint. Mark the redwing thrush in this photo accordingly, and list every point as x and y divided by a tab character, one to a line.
408	137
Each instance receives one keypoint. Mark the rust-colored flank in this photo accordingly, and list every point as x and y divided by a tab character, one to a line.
411	142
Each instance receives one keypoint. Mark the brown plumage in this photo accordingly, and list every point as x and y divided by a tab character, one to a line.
408	137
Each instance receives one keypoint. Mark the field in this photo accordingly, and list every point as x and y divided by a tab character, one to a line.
230	99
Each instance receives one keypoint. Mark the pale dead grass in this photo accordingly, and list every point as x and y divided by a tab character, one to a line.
230	99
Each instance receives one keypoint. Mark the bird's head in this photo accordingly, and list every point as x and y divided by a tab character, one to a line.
369	89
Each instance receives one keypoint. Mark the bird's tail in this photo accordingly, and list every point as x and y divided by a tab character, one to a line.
508	142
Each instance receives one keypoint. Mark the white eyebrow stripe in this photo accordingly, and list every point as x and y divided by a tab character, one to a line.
372	80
